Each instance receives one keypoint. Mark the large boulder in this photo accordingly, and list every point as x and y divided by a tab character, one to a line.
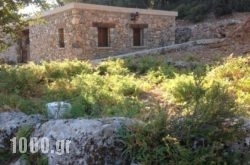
10	122
93	141
182	35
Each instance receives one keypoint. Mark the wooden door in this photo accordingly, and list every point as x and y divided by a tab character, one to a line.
103	40
25	43
137	36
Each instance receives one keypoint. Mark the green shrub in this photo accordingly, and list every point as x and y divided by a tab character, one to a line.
158	75
6	156
102	95
198	12
60	89
209	113
190	92
142	65
25	80
168	86
30	158
183	10
116	67
24	131
171	141
66	69
150	143
222	7
129	107
241	5
81	107
234	74
23	104
187	92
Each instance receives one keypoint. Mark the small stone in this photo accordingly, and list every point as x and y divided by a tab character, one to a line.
58	110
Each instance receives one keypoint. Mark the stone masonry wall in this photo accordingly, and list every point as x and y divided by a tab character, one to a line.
44	38
81	38
10	55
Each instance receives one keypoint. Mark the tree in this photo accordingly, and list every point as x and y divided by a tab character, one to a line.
11	20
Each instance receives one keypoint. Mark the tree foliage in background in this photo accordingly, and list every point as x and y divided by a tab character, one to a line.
11	21
193	10
156	4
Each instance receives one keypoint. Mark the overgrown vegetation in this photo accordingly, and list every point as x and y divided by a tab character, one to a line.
208	102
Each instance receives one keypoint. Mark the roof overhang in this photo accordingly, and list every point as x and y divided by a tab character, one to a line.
84	6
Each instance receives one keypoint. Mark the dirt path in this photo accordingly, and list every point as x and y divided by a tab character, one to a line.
155	102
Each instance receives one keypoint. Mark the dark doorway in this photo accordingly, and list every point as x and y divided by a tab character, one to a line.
61	38
137	37
103	37
25	46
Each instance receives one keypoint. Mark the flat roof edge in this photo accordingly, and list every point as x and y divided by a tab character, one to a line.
82	6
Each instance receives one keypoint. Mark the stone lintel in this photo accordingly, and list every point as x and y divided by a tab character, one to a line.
136	25
103	24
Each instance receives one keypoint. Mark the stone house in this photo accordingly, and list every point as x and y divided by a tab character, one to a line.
87	31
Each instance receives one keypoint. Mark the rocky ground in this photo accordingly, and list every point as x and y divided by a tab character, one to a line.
92	141
233	29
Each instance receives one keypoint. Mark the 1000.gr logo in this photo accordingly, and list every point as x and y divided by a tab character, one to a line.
61	147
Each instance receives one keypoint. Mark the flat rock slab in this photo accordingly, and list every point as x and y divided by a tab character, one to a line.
93	141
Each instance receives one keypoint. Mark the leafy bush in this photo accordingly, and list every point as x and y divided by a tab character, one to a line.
30	158
17	102
183	10
222	7
197	136
143	65
241	5
150	143
66	69
90	90
168	86
234	74
112	67
103	93
160	74
198	12
24	80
